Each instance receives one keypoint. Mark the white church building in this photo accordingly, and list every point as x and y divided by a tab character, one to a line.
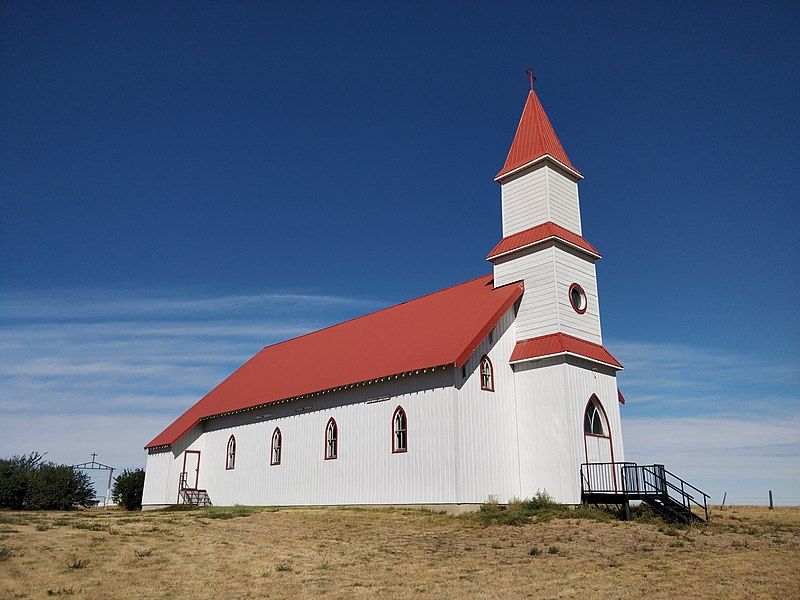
499	387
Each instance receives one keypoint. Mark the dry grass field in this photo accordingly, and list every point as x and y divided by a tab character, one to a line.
745	552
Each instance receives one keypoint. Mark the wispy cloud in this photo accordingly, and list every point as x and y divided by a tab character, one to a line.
744	457
100	305
74	367
727	421
672	379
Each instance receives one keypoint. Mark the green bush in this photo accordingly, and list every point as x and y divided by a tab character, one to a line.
26	482
539	508
128	488
57	487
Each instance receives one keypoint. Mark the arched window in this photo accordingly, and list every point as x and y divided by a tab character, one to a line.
331	439
594	420
275	454
487	374
230	455
399	430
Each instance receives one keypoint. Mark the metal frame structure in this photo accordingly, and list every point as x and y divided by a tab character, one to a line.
93	465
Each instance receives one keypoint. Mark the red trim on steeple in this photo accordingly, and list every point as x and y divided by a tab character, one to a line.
537	235
562	343
535	138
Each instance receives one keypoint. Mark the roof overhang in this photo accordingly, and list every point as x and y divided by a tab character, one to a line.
562	344
540	234
555	238
543	158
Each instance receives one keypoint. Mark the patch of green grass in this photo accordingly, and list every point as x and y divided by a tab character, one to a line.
60	522
5	553
12	519
8	529
179	508
642	513
552	550
230	512
539	508
535	551
42	527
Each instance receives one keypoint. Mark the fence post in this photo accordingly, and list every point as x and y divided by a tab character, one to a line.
770	500
725	495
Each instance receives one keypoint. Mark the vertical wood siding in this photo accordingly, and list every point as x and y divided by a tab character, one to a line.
540	195
564	208
572	267
538	311
524	201
486	423
552	395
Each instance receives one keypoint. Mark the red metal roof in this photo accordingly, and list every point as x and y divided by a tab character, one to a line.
561	343
442	328
534	139
538	234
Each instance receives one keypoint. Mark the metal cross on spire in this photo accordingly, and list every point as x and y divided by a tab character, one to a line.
531	76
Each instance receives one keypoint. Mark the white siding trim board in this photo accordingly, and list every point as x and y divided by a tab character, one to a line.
544	157
568	354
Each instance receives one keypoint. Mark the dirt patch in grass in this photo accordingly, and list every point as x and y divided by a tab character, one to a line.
367	553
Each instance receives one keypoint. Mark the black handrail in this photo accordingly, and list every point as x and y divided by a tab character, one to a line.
640	480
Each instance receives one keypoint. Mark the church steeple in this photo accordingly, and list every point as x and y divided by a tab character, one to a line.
534	140
542	241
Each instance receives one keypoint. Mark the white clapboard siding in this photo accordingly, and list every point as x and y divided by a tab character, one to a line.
365	470
537	196
551	398
573	267
538	311
486	423
524	201
562	195
157	479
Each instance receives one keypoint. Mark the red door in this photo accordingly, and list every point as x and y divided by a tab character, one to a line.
191	469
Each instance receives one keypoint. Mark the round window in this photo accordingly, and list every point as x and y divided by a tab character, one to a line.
577	297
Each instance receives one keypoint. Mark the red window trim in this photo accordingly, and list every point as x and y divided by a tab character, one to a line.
396	450
491	373
336	441
273	462
594	399
227	454
578	310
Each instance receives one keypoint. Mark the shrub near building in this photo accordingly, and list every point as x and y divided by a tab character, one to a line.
26	482
128	489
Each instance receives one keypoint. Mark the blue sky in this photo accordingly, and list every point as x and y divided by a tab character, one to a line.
179	187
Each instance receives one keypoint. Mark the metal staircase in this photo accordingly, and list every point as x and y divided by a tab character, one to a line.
190	496
673	498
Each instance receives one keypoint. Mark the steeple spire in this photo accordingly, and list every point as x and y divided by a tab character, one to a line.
535	138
